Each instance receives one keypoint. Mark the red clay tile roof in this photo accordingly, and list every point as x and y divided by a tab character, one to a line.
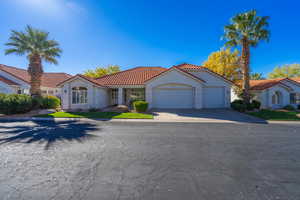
189	66
296	79
7	81
135	76
265	84
138	75
48	79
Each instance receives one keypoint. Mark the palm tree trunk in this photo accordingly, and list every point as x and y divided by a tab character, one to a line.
245	68
36	71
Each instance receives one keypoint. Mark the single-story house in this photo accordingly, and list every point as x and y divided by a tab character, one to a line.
17	81
182	86
275	93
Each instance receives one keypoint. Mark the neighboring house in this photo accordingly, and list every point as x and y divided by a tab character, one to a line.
275	93
16	80
182	86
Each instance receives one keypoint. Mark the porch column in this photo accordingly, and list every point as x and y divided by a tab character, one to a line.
120	96
198	97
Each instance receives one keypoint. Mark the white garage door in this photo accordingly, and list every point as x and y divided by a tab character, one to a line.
214	97
173	98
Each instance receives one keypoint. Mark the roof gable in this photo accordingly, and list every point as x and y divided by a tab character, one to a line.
191	67
174	68
265	84
79	76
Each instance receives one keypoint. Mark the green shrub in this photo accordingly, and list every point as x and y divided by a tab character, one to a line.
37	102
50	102
256	104
289	107
140	106
93	110
15	103
250	106
239	105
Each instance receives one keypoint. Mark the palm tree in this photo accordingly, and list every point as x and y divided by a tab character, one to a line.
246	30
37	47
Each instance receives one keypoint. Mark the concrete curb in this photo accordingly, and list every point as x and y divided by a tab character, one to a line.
8	119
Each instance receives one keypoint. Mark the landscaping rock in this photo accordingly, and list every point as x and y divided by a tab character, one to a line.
42	111
118	108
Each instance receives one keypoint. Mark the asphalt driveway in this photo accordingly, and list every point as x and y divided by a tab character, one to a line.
149	161
203	115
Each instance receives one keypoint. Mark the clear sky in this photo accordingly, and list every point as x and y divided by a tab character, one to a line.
133	33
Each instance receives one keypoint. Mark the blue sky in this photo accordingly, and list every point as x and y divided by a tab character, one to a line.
147	33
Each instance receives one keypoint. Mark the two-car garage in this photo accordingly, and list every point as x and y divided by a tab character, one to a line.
177	89
184	97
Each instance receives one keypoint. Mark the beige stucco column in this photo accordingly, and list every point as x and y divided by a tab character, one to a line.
198	97
120	96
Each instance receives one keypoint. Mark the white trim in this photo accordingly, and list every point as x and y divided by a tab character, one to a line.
203	69
171	69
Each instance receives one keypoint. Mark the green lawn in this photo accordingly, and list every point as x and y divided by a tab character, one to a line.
99	115
276	115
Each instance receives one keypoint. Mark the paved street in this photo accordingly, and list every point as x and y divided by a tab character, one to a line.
161	161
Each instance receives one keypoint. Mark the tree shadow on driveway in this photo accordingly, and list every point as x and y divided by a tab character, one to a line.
48	133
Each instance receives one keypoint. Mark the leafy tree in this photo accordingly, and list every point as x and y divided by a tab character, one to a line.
225	62
256	76
101	71
285	71
36	45
246	30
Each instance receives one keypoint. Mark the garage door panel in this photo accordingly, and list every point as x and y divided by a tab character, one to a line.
173	98
214	97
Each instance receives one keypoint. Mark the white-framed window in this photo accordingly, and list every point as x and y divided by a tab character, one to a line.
295	98
276	98
79	95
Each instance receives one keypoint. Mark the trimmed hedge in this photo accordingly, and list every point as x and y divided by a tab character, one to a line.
256	104
289	107
140	106
15	103
50	102
240	106
46	102
22	103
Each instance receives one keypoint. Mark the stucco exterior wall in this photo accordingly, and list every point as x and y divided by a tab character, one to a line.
215	81
96	97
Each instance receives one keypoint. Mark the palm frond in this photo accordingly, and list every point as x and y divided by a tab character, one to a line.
33	42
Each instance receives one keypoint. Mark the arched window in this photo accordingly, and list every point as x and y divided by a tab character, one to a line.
276	98
79	95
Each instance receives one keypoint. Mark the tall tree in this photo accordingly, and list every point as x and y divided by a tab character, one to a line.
101	71
37	46
285	71
225	62
246	30
256	76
